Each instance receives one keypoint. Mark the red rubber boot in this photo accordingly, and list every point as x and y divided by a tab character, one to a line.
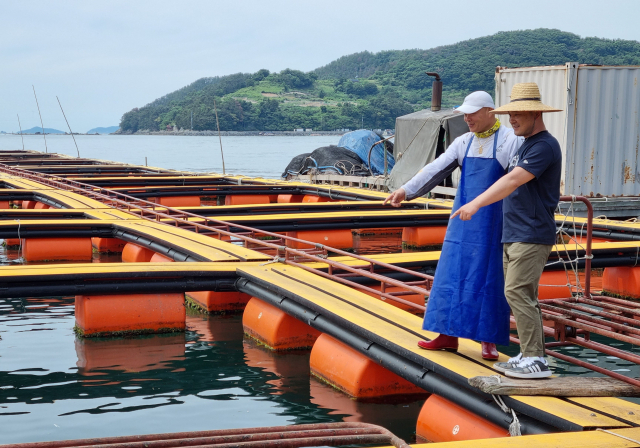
489	351
442	342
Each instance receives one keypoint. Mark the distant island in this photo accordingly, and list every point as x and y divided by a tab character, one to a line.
38	130
103	130
365	90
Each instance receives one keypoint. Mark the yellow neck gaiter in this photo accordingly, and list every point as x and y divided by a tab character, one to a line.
489	132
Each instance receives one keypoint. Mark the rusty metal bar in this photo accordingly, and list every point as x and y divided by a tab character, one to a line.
586	365
126	202
589	256
293	436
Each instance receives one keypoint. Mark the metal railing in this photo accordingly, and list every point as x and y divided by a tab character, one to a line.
249	238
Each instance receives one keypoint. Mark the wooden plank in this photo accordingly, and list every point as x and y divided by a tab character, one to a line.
573	386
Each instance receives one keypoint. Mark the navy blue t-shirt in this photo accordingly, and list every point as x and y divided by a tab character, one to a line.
529	211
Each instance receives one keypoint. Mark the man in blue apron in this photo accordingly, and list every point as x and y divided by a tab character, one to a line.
467	299
530	195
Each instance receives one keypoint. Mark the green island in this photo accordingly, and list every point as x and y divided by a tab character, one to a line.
366	89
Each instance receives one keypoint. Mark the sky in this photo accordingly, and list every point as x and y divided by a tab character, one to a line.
103	58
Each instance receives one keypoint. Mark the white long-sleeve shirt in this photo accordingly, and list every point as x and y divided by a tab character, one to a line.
438	170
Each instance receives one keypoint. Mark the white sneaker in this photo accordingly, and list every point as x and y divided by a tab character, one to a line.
530	368
504	366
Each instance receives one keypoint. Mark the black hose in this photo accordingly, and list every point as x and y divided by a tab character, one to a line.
465	396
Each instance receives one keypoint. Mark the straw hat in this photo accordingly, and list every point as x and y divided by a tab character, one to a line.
525	97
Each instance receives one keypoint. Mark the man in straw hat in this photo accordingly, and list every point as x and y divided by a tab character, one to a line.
530	194
467	299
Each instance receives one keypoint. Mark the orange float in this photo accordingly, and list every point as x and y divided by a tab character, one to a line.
12	242
275	328
246	199
442	421
132	253
48	249
107	244
414	298
423	236
353	373
289	198
219	302
314	198
41	206
29	204
159	258
623	281
130	313
178	201
338	238
5	204
553	285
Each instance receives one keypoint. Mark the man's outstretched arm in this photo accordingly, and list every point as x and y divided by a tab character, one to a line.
502	188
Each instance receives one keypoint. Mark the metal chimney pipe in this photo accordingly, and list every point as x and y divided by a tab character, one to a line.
436	92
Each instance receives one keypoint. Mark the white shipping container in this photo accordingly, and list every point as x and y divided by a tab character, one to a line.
599	128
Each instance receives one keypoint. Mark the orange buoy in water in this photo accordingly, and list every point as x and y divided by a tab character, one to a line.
553	285
41	206
107	244
12	241
132	253
130	313
423	236
338	238
314	198
442	421
29	204
49	249
289	198
622	281
219	302
4	204
353	373
246	199
275	328
159	258
179	201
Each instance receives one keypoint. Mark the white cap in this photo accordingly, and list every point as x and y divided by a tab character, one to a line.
476	101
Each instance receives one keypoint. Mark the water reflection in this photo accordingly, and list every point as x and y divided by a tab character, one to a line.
54	386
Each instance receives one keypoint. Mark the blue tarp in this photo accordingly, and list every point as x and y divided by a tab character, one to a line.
360	142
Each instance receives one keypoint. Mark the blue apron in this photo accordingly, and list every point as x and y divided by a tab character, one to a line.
467	299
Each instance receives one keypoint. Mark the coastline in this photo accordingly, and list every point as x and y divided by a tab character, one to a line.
233	133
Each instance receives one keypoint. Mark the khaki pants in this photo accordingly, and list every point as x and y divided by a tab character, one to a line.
523	264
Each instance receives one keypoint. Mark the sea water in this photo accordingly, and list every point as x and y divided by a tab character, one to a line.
258	156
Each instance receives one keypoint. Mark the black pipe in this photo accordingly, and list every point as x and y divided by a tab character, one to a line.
25	232
177	255
413	372
351	224
113	287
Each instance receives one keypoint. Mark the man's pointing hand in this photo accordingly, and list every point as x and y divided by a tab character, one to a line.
395	198
466	211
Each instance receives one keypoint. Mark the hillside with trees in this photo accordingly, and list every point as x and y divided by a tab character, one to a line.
367	89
